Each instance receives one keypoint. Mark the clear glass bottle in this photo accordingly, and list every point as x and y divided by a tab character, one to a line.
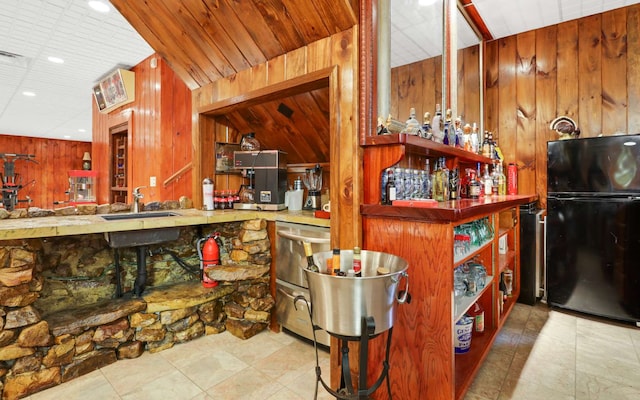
487	181
475	139
426	188
436	125
438	183
502	181
445	180
454	183
407	192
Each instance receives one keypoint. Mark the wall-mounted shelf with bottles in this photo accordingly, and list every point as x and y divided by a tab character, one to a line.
410	151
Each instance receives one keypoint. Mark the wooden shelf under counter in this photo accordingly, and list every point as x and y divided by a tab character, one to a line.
423	335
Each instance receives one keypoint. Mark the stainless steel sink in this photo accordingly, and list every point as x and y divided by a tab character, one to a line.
142	237
153	214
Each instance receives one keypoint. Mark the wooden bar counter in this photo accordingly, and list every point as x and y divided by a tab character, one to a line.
422	359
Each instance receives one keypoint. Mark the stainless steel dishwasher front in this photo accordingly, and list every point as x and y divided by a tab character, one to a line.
290	277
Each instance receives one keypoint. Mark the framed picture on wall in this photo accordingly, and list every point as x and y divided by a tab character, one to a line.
116	89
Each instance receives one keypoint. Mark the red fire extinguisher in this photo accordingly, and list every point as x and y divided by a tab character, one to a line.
209	256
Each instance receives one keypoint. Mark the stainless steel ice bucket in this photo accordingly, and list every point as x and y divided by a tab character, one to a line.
338	303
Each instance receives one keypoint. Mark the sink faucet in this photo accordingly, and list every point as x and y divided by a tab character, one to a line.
136	198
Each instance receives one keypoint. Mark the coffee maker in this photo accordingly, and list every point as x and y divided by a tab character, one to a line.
268	169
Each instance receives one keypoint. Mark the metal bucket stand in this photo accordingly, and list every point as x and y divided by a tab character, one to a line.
347	391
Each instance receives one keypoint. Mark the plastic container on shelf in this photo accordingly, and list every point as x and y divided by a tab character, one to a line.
463	329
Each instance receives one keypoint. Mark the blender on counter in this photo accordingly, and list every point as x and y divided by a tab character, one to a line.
313	181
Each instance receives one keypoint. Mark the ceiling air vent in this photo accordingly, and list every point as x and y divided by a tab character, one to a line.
7	57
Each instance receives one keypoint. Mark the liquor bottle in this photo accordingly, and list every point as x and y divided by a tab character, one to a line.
480	181
454	183
390	188
438	188
445	179
426	126
487	181
459	134
335	262
398	174
503	292
474	186
427	180
492	147
466	134
502	181
357	262
449	130
486	148
494	180
407	192
477	313
475	139
383	185
412	124
311	265
436	125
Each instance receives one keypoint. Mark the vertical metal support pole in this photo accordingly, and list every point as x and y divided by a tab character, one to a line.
384	59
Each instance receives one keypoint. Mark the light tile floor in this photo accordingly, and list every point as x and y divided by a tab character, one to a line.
539	354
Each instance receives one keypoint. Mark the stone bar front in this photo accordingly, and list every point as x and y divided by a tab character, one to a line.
60	318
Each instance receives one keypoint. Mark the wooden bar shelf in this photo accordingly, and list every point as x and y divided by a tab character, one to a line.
423	337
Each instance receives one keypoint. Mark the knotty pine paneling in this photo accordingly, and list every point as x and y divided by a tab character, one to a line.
419	85
592	76
160	139
47	181
321	116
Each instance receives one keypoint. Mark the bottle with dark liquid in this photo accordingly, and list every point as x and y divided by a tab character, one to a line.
311	264
390	189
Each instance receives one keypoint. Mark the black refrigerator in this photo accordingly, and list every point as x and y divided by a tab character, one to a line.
593	226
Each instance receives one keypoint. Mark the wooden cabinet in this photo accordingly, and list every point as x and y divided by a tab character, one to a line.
422	358
119	180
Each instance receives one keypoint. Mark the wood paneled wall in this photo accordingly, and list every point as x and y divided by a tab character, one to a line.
338	55
47	181
160	138
587	69
419	85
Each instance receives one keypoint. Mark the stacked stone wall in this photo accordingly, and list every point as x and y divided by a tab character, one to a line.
40	349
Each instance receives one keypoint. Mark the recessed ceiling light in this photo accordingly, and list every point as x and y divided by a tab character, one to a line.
67	137
55	60
99	6
82	130
27	93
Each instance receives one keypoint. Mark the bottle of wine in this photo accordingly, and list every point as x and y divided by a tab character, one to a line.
311	264
390	189
357	262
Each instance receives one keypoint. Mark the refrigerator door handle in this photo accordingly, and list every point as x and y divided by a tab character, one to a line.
544	258
540	254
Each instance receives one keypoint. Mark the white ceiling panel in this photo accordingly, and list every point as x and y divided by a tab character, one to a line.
90	43
93	44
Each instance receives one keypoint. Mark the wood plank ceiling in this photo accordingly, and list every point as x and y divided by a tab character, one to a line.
205	40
